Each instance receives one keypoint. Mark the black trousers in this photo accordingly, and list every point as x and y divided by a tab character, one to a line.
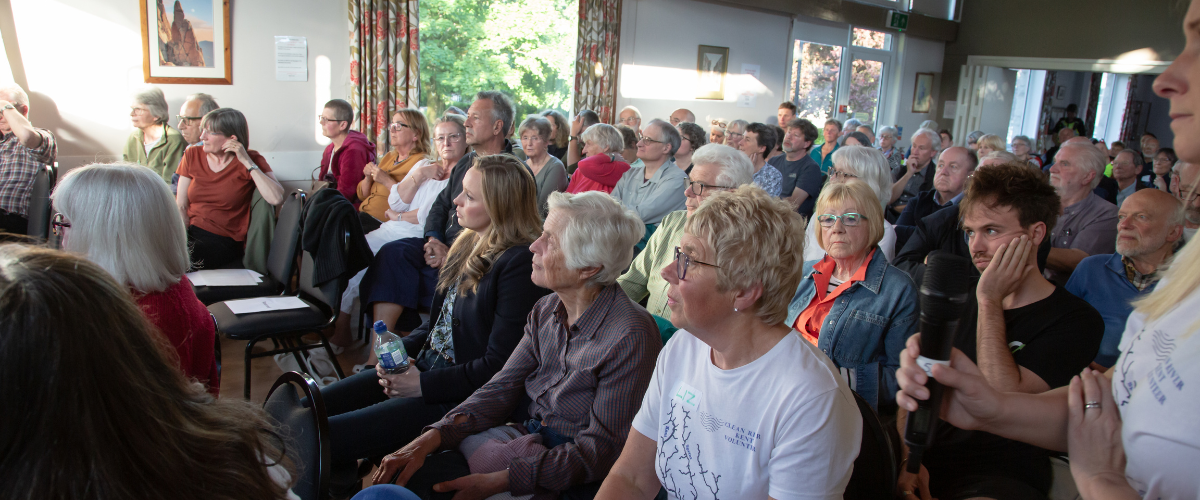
13	223
212	251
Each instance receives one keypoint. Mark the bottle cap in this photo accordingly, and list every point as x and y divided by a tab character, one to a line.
380	327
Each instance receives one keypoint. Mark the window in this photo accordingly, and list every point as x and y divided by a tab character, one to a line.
473	45
815	69
872	39
1027	105
866	87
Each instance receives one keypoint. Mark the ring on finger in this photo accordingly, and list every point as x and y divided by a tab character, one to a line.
1090	405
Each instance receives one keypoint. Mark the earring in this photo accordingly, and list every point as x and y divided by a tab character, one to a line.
735	309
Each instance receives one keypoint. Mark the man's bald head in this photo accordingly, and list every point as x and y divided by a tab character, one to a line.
682	115
1147	222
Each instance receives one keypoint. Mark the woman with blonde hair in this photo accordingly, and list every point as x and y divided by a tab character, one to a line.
870	305
729	300
95	407
560	133
122	217
484	294
409	136
863	164
989	143
1130	432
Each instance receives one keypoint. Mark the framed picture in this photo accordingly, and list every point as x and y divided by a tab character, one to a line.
1060	93
711	64
923	93
186	41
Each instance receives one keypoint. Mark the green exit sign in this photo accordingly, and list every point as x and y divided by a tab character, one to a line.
897	20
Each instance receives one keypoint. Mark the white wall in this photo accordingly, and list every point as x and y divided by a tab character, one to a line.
918	56
997	101
82	95
659	43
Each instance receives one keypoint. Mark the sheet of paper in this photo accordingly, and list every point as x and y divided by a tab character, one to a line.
225	277
291	59
262	304
950	109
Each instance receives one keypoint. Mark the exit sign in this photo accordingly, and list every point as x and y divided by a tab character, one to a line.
897	20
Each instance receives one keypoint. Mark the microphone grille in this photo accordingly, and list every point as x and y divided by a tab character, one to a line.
946	274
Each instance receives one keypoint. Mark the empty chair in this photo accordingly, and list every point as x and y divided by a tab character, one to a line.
281	262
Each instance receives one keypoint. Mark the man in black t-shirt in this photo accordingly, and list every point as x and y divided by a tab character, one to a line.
1026	335
802	179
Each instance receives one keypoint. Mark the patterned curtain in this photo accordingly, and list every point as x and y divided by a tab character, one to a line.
1044	139
596	57
384	74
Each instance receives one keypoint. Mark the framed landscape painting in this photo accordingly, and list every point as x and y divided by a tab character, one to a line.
186	41
711	64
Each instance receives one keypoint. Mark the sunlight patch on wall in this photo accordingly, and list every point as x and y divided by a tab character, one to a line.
675	84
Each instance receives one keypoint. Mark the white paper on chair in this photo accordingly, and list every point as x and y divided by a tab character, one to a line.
225	277
262	304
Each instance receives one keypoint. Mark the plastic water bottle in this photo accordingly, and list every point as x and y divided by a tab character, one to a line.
390	350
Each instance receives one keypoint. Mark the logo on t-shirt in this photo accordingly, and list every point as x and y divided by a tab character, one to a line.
688	396
1015	346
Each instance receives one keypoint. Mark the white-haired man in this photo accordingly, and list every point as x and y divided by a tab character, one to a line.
190	113
682	115
632	118
1088	224
23	150
918	171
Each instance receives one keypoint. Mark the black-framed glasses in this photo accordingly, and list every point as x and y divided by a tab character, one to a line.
59	224
848	219
698	187
683	261
838	174
187	119
397	126
323	119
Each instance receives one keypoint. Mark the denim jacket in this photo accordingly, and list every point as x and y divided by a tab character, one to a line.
867	327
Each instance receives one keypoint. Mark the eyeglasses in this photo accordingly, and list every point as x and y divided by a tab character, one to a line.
838	174
448	138
683	261
720	123
187	119
698	187
849	220
323	119
135	109
649	140
397	126
59	224
731	134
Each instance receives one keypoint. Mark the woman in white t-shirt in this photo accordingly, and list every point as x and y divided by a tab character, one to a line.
1132	431
739	405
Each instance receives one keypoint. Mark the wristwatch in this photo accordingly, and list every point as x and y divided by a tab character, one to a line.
253	166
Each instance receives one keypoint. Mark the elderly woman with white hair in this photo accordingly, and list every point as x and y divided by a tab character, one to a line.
735	132
717	168
602	165
122	217
1022	147
585	361
155	143
728	295
888	137
866	165
871	307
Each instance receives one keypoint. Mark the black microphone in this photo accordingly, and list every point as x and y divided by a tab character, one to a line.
944	294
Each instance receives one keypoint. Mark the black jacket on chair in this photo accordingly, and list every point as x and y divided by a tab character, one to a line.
487	327
329	215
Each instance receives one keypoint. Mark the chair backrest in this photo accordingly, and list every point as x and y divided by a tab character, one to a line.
281	261
877	466
329	293
39	202
295	405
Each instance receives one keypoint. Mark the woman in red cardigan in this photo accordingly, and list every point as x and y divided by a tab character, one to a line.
122	217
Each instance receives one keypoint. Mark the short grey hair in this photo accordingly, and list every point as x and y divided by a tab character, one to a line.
636	113
1090	158
15	94
735	166
155	101
599	232
889	131
537	124
606	136
670	134
1003	156
207	103
934	137
974	136
124	219
929	124
738	124
502	108
870	166
1025	139
851	124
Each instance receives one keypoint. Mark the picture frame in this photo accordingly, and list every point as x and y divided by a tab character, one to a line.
1060	93
711	65
191	41
923	93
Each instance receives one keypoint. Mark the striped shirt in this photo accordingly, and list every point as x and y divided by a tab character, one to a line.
18	166
584	381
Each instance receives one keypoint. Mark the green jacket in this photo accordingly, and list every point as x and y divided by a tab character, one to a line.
259	234
164	157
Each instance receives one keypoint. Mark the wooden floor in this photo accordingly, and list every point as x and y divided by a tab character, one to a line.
264	371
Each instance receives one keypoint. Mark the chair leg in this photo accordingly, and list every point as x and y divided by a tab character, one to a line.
246	389
337	367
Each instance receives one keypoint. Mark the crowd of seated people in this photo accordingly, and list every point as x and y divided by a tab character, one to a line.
622	310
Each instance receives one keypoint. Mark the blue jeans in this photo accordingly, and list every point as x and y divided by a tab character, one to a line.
386	492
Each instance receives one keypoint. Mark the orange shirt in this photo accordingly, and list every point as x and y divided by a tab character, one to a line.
809	321
376	202
219	202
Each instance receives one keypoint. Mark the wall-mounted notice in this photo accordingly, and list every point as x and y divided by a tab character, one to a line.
950	109
291	59
748	97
